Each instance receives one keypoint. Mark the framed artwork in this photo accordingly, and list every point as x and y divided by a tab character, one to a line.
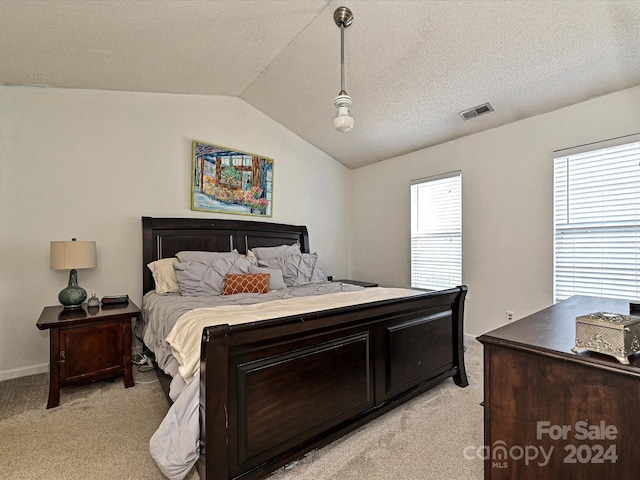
231	181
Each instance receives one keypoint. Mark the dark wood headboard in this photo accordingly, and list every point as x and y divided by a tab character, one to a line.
164	237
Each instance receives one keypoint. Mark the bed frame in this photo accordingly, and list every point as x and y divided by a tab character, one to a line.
276	389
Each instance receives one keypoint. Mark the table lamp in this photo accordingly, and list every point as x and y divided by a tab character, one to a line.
71	255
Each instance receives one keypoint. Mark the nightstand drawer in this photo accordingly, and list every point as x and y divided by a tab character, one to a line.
91	351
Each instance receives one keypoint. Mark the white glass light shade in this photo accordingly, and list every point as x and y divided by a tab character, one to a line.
343	121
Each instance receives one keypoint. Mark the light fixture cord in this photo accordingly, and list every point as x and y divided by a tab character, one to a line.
342	58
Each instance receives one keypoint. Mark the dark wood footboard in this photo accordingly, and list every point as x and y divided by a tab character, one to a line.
275	389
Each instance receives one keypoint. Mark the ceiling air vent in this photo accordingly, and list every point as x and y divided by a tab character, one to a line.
476	111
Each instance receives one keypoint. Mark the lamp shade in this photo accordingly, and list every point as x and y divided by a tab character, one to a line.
67	255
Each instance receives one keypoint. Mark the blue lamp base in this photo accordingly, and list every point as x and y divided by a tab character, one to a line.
72	296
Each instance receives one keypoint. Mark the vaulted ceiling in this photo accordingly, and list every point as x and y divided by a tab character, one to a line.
411	66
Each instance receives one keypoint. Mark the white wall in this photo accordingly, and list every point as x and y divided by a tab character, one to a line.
507	199
89	164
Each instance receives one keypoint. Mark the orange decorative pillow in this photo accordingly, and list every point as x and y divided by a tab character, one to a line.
246	283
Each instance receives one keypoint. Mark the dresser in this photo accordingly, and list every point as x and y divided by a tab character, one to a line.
551	413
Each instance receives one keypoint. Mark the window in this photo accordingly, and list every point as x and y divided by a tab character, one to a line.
596	223
436	232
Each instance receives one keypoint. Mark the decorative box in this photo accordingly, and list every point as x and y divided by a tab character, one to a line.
608	333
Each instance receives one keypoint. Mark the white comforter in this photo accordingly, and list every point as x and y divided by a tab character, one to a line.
175	445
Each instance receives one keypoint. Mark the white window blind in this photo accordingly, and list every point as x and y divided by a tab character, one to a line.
436	232
596	223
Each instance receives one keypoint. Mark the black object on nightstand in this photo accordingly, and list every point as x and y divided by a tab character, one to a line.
88	344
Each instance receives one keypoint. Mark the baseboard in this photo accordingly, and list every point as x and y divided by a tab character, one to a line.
24	371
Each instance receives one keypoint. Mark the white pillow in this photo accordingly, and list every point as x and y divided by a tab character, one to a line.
164	275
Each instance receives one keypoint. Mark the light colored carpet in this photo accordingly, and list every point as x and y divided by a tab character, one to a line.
101	431
423	439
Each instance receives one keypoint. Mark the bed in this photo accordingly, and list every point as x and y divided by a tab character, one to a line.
272	390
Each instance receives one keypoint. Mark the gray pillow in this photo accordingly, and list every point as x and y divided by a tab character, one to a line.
197	279
298	269
276	282
267	253
195	256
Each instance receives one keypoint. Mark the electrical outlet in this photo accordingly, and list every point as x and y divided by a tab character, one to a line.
510	316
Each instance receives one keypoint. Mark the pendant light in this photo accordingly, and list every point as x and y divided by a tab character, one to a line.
343	121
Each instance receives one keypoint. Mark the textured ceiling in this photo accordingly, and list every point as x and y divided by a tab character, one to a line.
411	66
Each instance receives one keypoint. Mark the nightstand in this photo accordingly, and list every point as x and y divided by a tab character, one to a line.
88	344
357	282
